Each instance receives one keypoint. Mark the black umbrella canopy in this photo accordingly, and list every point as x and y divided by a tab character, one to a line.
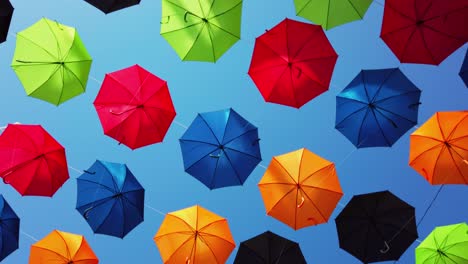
376	227
269	248
6	13
109	6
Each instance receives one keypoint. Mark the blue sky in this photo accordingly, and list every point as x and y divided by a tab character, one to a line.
130	37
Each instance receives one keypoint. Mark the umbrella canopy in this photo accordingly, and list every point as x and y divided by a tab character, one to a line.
332	13
135	107
376	227
445	244
60	247
51	61
201	30
377	108
464	70
110	198
194	235
9	229
269	248
109	6
220	148
439	148
31	160
424	32
300	189
6	13
292	63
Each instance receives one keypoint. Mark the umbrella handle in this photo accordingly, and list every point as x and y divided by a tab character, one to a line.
386	249
302	203
89	172
167	22
465	161
215	156
188	13
187	260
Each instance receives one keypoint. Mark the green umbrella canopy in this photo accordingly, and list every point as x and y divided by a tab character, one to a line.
51	61
201	30
331	13
444	245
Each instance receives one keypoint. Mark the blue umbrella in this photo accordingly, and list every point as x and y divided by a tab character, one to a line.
110	198
377	108
464	70
9	229
220	149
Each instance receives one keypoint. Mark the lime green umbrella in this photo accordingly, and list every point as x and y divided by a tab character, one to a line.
332	13
444	245
201	30
51	61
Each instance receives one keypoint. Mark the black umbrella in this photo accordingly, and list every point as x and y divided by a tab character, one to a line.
376	227
269	248
6	13
109	6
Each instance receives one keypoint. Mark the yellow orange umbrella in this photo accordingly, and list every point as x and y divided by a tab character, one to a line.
300	189
62	248
194	235
439	148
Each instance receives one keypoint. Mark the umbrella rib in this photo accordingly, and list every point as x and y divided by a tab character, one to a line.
46	249
398	29
449	137
292	83
35	44
210	9
195	40
204	156
395	96
153	122
244	153
440	127
197	141
287	172
105	219
316	207
97	183
446	14
208	28
323	189
355	9
123	216
76	77
175	30
317	58
428	137
311	38
187	224
96	203
354	100
302	9
213	235
131	203
233	168
47	80
55	37
360	127
211	250
183	8
66	245
177	249
244	133
456	166
51	173
350	115
380	127
425	43
224	30
424	152
435	163
380	109
227	11
405	49
315	172
382	84
282	198
225	128
62	73
212	132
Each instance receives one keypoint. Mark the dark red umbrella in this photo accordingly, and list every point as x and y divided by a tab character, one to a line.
292	63
32	161
135	107
425	31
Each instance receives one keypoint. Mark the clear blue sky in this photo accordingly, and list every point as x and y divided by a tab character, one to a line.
132	36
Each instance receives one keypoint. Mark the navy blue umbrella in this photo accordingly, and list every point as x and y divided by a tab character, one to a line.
9	229
220	149
464	70
377	108
110	198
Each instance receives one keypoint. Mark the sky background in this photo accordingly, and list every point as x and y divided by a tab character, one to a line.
130	37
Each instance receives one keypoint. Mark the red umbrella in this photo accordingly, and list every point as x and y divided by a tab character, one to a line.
292	63
135	107
32	161
426	31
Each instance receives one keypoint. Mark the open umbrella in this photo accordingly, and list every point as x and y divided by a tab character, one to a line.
464	70
445	244
269	248
31	160
292	63
60	247
377	108
9	229
220	148
51	61
110	198
109	6
194	235
6	13
201	30
332	13
300	189
439	148
376	227
135	107
424	32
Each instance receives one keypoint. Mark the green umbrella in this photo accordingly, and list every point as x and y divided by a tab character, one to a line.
332	13
444	245
201	30
51	61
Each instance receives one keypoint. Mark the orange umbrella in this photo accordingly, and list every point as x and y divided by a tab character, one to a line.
62	248
194	235
300	189
439	148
